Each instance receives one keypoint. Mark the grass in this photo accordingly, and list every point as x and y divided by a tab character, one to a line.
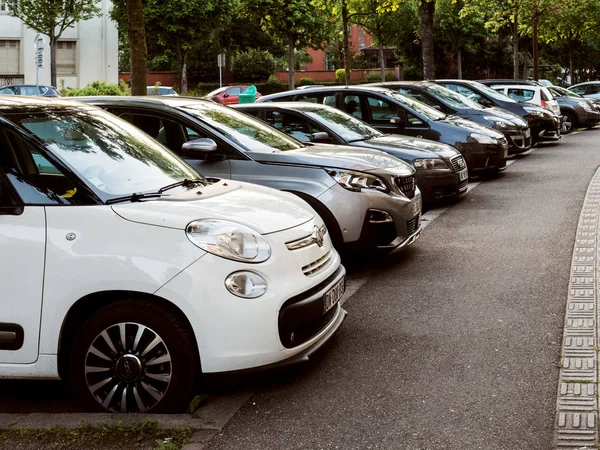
143	436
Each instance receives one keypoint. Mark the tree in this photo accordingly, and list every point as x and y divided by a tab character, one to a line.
52	18
426	13
298	23
137	46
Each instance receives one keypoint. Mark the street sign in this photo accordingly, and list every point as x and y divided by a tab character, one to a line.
39	51
221	60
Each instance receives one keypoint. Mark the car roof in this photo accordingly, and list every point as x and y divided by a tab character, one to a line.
584	83
326	89
506	81
394	83
19	103
158	87
143	100
295	106
26	85
519	86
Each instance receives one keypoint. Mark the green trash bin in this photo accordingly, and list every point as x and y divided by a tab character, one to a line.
248	96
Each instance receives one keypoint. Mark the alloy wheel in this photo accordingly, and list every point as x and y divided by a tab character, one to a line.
567	124
128	368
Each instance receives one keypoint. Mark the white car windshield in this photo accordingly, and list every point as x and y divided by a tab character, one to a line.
250	133
111	156
349	128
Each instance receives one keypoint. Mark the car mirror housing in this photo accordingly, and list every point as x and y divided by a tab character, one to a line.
199	146
400	121
320	136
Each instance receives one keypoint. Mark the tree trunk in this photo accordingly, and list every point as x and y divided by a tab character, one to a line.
53	41
525	57
345	45
459	63
183	71
535	41
381	61
426	12
137	45
572	61
291	44
516	48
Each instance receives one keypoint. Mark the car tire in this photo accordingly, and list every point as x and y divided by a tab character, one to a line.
134	355
569	123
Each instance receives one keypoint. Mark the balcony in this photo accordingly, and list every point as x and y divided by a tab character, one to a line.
11	79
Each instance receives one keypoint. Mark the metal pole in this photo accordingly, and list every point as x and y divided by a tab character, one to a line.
220	76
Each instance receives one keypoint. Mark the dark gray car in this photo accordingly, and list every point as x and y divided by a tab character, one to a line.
368	199
441	170
577	111
484	149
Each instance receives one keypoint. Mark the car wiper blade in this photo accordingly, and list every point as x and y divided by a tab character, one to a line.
135	197
185	182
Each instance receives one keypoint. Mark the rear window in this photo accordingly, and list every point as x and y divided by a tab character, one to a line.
520	95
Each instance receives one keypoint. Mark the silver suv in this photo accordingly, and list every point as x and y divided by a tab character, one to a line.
367	198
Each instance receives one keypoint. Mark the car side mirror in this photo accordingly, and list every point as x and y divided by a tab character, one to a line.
438	107
225	95
320	136
400	121
199	146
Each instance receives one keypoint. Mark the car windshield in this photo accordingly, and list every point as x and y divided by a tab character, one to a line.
452	98
349	128
562	92
494	94
252	134
113	157
216	91
417	106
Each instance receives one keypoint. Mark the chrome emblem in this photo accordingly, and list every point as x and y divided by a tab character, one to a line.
318	236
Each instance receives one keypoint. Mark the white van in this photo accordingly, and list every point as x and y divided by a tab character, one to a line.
130	275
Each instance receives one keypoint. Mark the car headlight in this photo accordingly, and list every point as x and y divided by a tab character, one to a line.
246	284
356	181
229	240
482	138
585	105
499	124
429	164
535	112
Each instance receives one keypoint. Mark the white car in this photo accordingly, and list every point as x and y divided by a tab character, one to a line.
130	275
538	95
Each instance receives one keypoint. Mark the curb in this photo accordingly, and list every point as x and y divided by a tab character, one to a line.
576	423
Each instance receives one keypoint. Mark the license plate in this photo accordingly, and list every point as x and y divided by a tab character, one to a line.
463	175
527	134
333	296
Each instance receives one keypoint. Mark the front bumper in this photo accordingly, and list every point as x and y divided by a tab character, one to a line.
236	333
443	184
483	158
519	141
370	219
544	128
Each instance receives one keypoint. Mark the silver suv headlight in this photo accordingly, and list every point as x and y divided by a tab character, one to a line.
433	163
356	181
229	240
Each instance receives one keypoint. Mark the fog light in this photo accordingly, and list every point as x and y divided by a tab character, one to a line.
378	216
246	284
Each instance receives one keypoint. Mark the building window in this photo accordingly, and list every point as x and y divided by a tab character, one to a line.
3	8
9	57
66	58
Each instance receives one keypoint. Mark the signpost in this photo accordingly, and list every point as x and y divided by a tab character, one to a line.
221	63
39	57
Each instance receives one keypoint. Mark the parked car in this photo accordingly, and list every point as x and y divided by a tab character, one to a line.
150	274
484	149
589	89
544	124
228	95
537	95
29	89
368	199
577	111
161	90
440	169
508	81
514	128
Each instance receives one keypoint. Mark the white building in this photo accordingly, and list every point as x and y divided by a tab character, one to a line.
86	52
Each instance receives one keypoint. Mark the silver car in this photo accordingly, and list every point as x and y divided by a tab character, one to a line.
367	198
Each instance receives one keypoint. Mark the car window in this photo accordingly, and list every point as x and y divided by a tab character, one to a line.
316	98
592	89
348	127
291	124
37	180
7	91
28	90
352	106
520	95
233	91
417	96
464	91
381	111
578	90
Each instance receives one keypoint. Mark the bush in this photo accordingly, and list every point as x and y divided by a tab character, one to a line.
306	81
273	81
253	65
375	76
340	76
97	88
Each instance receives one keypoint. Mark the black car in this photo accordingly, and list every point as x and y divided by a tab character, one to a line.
484	149
577	111
544	125
441	170
514	128
29	89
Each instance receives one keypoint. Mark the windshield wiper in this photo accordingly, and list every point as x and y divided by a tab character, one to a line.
185	182
135	197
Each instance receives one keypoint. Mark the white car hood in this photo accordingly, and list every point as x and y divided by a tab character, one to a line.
264	209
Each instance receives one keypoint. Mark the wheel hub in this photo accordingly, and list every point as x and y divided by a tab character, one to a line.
128	368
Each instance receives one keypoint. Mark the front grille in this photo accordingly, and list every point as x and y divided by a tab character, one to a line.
413	224
306	332
316	267
407	185
458	163
463	185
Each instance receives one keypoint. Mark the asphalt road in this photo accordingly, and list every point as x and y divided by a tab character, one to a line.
453	344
